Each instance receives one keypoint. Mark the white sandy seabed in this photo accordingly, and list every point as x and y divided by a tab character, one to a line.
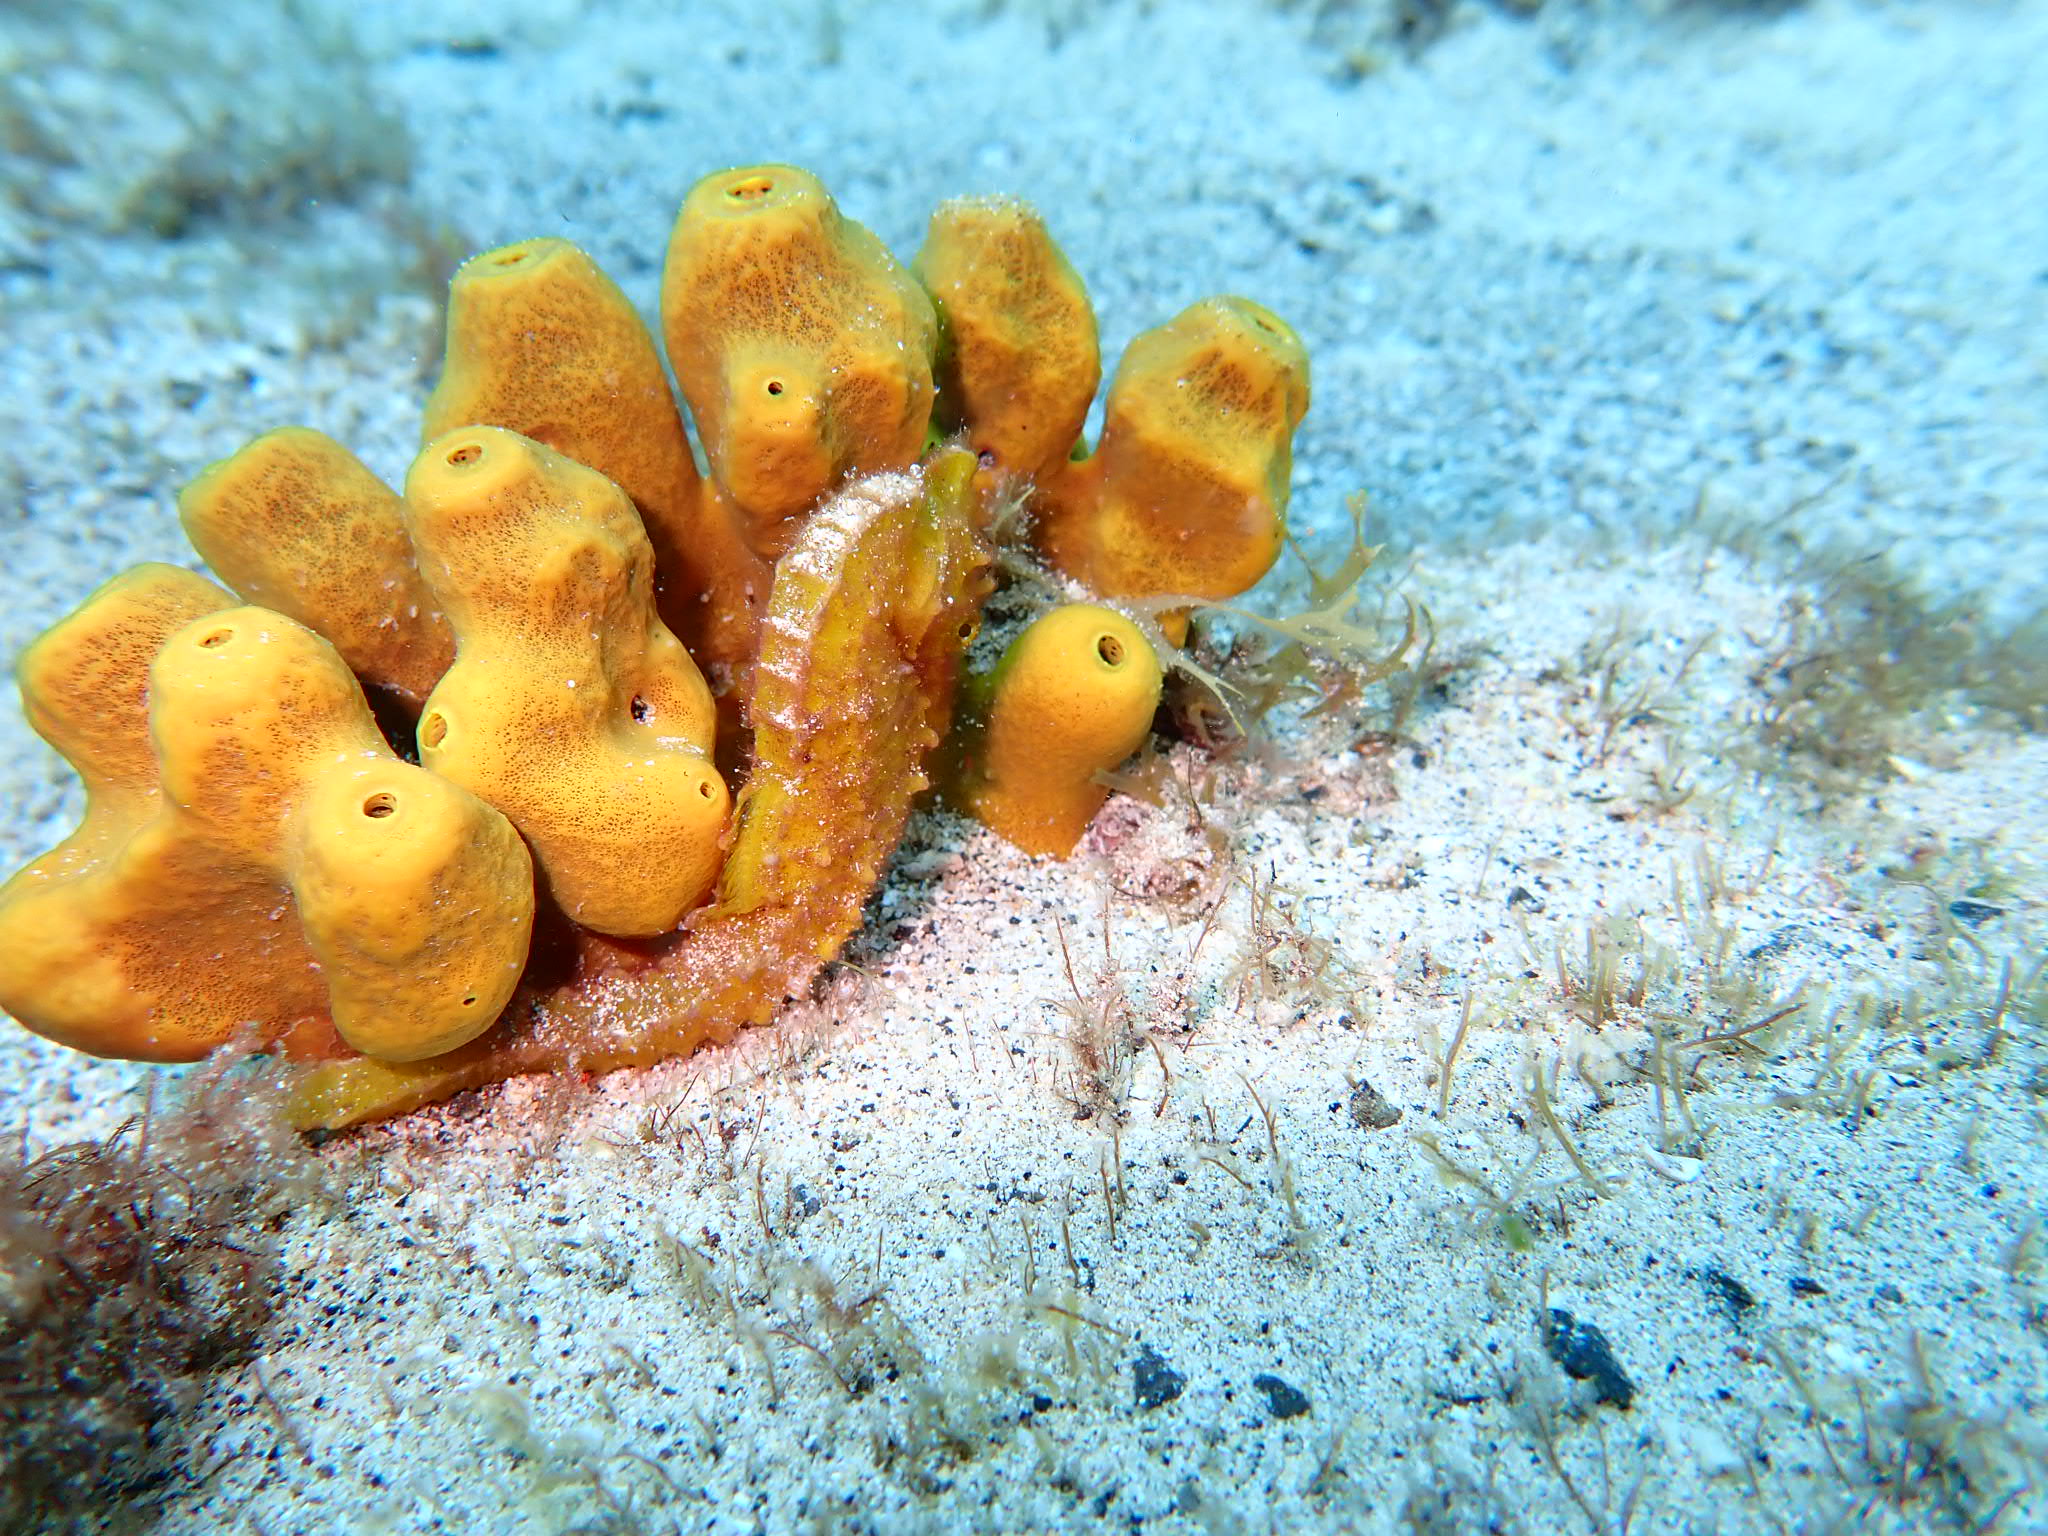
1236	1230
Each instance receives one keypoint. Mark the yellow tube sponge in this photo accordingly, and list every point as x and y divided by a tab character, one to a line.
571	707
859	660
1187	493
69	943
85	690
1018	361
165	923
543	343
157	953
801	345
1073	695
296	523
416	898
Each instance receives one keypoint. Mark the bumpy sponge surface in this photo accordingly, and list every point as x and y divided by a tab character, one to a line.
1018	361
570	707
801	345
252	788
542	343
1187	494
1073	696
296	523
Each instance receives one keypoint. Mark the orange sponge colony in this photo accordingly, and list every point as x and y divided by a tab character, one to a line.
570	706
252	784
577	625
1073	696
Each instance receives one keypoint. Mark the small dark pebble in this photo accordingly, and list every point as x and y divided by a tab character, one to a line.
1892	1294
1370	1109
1040	1403
1584	1353
1156	1381
1801	1286
1522	896
1775	945
1729	1291
1795	936
1973	912
1282	1401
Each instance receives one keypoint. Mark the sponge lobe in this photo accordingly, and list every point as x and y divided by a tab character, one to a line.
571	707
803	348
1018	359
297	523
1187	494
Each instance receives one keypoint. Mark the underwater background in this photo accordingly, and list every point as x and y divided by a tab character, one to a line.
1693	359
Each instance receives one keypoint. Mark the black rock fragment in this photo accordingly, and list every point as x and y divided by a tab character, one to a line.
1156	1381
1733	1295
1585	1355
1283	1400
